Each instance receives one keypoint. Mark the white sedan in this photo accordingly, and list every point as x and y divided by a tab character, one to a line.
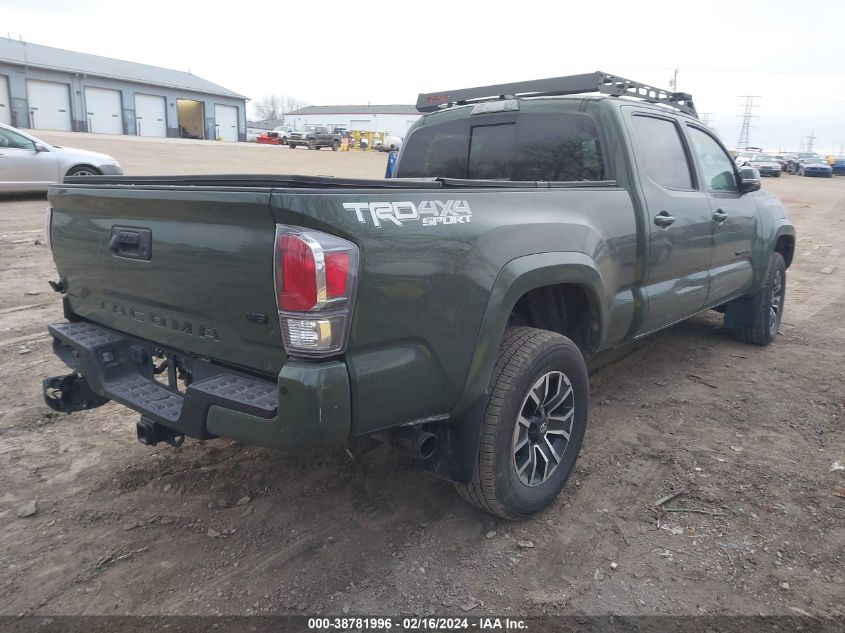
29	164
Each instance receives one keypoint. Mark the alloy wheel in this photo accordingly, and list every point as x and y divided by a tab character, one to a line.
776	303
543	428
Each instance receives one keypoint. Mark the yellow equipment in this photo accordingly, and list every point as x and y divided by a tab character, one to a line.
361	140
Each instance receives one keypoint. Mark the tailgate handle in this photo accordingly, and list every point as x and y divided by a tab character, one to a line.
131	243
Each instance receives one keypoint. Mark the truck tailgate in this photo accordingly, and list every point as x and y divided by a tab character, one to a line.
189	268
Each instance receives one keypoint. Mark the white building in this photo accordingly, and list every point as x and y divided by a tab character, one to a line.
392	119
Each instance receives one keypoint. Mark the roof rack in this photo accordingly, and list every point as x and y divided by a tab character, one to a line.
574	84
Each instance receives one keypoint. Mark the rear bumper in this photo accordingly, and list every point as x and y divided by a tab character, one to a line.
308	405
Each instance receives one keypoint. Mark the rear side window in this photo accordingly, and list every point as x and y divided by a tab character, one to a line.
544	147
660	153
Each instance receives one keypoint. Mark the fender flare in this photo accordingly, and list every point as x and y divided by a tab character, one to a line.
461	436
784	229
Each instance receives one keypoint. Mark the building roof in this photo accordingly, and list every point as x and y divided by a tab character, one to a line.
37	56
266	124
357	109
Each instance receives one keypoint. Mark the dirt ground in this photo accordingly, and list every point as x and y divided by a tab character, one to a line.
750	435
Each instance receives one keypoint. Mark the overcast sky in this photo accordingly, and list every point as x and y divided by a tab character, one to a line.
790	53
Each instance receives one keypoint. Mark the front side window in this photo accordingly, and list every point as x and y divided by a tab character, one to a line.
13	140
717	169
660	152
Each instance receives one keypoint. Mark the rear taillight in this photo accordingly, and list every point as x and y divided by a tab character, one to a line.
316	275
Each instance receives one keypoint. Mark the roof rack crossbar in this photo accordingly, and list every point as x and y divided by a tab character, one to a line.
598	81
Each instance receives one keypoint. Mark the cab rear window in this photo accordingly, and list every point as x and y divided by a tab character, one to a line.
534	146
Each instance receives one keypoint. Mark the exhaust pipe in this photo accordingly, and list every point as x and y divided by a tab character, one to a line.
421	444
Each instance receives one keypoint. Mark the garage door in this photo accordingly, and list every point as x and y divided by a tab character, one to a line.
103	110
226	120
150	116
5	108
362	125
49	105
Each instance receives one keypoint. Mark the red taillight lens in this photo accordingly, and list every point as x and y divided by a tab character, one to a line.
316	277
337	272
296	278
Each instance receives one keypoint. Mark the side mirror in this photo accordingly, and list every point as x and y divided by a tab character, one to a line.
40	147
749	180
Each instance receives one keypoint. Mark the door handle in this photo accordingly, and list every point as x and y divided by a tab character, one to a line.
719	216
664	220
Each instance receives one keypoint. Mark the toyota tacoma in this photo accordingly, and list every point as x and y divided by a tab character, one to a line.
452	310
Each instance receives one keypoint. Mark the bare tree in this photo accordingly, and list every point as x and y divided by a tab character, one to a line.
289	104
274	107
268	107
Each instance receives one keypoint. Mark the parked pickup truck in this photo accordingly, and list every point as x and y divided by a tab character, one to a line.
451	311
314	137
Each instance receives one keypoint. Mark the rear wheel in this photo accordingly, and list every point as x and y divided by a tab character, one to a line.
767	306
335	146
534	424
292	145
312	144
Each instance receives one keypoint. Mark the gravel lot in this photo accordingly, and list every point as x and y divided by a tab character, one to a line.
749	434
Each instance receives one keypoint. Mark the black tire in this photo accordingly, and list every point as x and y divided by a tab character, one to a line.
335	146
312	144
525	356
83	170
292	145
770	298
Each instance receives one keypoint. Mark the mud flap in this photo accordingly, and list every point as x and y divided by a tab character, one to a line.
459	441
739	313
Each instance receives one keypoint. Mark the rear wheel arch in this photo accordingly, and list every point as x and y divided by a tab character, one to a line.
570	309
560	274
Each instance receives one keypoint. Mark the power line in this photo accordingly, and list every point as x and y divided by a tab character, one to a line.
747	115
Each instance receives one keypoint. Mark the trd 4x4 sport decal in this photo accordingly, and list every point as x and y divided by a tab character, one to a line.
430	212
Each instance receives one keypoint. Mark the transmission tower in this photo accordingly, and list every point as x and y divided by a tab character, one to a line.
810	140
747	115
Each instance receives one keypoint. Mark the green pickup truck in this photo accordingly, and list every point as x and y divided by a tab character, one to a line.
451	311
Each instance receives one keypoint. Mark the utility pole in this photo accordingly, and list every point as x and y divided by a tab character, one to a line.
673	83
747	115
705	118
810	140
